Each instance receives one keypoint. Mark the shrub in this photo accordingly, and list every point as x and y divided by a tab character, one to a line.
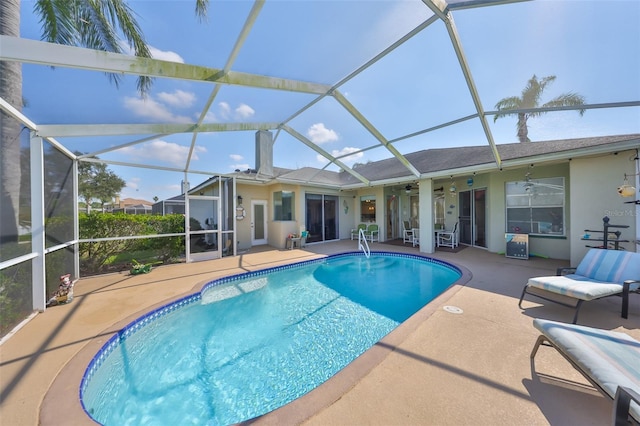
95	256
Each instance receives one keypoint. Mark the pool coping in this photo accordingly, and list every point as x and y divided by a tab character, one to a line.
69	379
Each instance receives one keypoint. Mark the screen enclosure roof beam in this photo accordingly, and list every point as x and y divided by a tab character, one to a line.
56	55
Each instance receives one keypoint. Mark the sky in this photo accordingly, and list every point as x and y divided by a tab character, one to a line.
592	47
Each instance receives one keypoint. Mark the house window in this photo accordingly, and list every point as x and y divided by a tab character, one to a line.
368	208
283	205
536	206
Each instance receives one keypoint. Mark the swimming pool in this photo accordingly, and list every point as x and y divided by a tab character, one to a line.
248	344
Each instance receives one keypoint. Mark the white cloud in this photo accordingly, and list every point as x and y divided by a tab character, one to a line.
349	159
226	113
179	98
236	157
209	117
150	108
244	111
163	55
320	134
162	151
225	110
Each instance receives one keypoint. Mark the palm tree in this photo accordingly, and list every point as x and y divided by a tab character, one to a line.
11	91
95	24
530	99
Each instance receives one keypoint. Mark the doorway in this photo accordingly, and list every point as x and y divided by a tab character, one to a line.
258	222
204	236
393	218
473	217
322	217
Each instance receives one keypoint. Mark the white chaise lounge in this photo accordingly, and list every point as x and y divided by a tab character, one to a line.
609	360
601	273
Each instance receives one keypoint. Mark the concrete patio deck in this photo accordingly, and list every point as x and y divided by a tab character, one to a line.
438	368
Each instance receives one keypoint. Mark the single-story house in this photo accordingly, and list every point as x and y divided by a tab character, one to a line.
554	192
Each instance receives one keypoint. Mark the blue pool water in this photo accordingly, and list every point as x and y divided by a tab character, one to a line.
249	344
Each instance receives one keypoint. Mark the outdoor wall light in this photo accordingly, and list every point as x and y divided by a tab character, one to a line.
407	189
239	199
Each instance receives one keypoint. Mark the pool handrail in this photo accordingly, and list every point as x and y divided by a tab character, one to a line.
365	248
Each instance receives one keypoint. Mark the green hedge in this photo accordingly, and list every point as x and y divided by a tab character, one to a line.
98	257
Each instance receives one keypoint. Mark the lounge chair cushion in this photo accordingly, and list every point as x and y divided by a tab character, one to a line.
609	358
608	269
575	286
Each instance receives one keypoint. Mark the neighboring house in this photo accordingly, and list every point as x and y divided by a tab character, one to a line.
173	205
131	206
551	190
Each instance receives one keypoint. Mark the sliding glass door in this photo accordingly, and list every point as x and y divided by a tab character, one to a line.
322	217
472	217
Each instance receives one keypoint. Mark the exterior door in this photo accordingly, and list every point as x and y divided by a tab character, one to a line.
393	218
322	217
472	220
258	222
480	217
330	217
203	236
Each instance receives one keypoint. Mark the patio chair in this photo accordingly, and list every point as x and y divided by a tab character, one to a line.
372	233
448	238
607	359
601	273
356	231
407	232
416	237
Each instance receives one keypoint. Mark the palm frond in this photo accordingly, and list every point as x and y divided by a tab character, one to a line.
96	24
133	35
201	9
512	102
567	99
58	21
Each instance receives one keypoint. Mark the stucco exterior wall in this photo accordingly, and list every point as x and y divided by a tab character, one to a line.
249	193
593	196
427	219
279	229
347	218
548	246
